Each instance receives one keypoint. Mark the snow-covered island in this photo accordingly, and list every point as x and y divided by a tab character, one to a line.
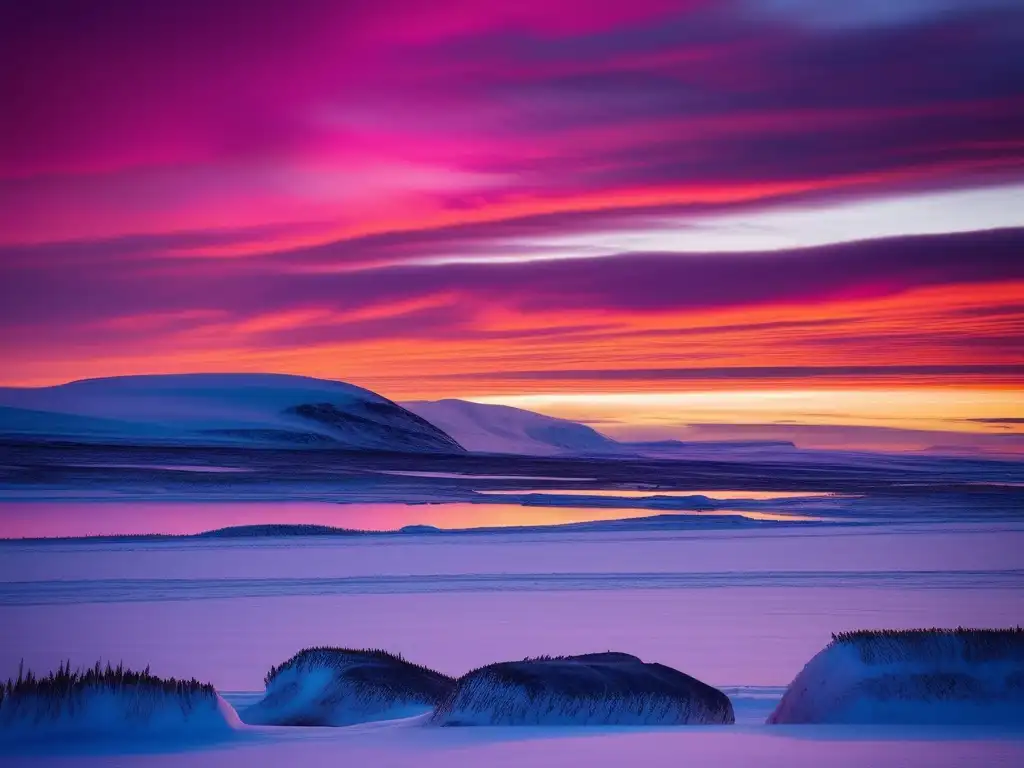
920	676
110	702
591	689
343	686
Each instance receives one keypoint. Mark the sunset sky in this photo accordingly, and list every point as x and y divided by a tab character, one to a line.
791	219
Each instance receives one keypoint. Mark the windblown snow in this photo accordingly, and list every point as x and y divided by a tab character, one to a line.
592	689
935	676
502	429
339	686
211	409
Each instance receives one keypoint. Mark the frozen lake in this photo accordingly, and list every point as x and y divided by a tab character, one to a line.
731	607
404	745
42	519
740	609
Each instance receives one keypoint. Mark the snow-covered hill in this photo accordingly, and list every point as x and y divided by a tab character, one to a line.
210	409
502	429
592	689
926	676
341	686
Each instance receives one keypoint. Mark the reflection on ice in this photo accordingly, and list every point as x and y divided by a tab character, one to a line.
115	518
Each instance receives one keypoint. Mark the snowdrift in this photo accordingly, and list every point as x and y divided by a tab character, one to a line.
110	703
341	686
486	428
593	689
215	409
923	676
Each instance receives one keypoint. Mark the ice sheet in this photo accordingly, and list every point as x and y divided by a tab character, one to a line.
741	610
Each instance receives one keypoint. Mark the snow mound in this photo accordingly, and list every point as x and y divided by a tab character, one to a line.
211	409
593	689
110	703
922	676
502	429
341	686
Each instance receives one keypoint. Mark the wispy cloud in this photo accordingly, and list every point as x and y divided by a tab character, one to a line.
475	198
372	116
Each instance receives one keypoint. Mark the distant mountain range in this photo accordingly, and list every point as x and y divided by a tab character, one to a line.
281	410
296	411
300	412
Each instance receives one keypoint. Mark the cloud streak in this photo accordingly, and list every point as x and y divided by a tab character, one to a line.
313	111
458	198
851	312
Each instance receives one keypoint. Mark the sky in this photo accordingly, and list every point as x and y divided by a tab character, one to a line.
791	219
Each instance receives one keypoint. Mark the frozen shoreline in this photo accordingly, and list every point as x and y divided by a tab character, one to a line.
750	604
397	744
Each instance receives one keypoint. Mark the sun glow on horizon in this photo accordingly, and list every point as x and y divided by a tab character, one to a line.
682	414
532	204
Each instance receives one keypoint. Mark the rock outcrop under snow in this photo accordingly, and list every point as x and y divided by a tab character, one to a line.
593	689
341	686
115	703
924	676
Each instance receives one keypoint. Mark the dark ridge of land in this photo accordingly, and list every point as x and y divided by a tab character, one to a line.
667	522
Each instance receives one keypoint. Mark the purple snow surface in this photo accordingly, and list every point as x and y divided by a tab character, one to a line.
733	608
390	746
730	607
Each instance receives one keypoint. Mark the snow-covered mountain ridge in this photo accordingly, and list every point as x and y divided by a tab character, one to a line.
212	409
485	428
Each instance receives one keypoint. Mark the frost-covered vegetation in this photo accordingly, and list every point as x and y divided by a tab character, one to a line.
882	645
911	676
107	700
592	689
342	686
